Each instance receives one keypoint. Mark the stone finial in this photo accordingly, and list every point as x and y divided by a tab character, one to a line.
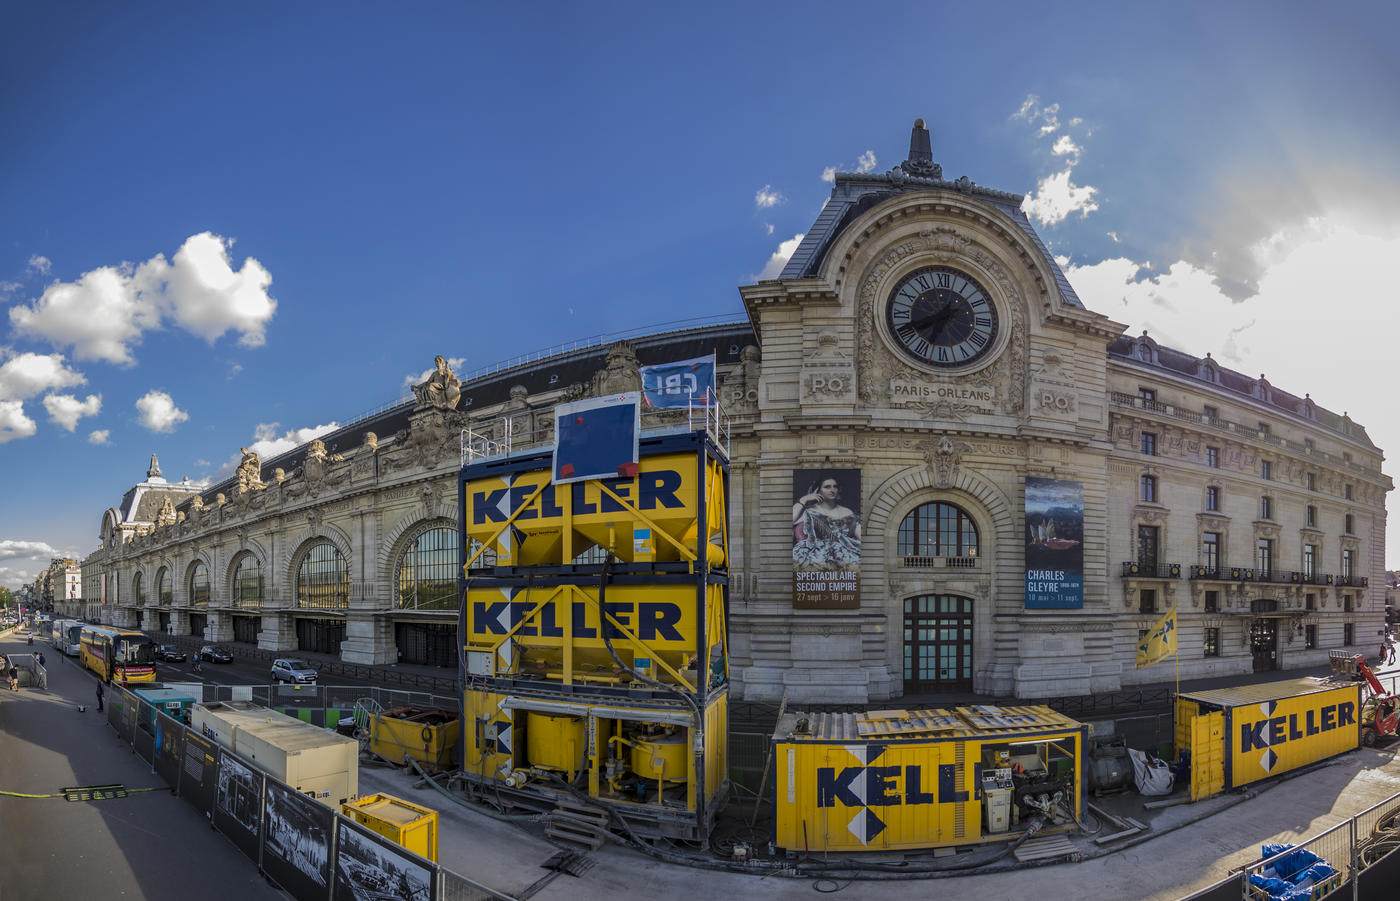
154	471
920	160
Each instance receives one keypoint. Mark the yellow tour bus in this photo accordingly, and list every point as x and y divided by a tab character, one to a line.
118	655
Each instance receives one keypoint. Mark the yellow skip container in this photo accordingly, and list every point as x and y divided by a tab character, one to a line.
404	823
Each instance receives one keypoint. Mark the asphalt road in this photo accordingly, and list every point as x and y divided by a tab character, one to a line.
149	845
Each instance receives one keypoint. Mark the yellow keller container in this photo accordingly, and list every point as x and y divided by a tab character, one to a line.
427	735
404	823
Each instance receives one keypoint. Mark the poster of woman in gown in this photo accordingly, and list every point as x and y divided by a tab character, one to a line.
826	538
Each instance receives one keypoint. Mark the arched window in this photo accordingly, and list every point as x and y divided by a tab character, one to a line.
163	587
323	578
199	586
427	577
247	587
938	530
138	592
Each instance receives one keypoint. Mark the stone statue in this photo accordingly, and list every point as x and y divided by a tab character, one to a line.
620	373
371	441
442	389
316	452
249	471
166	516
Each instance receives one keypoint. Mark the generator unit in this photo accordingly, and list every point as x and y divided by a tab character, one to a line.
595	615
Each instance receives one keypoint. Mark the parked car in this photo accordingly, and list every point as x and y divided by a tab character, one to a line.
169	653
294	670
215	653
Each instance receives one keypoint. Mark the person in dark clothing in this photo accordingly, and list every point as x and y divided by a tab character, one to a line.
14	677
99	695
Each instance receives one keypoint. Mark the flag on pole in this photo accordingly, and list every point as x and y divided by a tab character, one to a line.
1160	641
679	384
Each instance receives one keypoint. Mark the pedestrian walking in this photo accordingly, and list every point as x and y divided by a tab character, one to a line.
1391	645
14	677
41	656
99	696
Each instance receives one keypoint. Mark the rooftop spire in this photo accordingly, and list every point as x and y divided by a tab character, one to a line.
154	471
920	160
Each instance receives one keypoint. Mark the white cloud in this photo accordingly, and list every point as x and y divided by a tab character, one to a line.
410	380
769	227
1047	116
13	422
66	410
866	163
829	175
103	314
1065	146
39	264
779	259
27	374
766	197
267	443
1056	197
100	436
159	413
1114	236
8	288
21	561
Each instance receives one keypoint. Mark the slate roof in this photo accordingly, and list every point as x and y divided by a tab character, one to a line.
854	194
538	376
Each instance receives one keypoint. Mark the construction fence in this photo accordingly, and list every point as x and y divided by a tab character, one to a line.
305	847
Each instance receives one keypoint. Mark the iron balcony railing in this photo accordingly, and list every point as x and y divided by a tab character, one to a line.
915	561
1137	570
1266	574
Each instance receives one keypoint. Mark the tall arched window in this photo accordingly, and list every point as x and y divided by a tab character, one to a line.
138	591
938	530
163	593
427	577
247	586
323	578
199	586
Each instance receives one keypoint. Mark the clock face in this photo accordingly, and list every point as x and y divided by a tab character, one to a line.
941	317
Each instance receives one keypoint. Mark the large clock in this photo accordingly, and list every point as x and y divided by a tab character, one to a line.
940	316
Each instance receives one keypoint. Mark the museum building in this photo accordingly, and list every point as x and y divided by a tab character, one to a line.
946	475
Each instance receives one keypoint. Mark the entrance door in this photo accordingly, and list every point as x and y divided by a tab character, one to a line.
1263	642
320	635
937	643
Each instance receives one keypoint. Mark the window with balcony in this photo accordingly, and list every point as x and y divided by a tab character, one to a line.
1212	498
1147	395
1263	430
1310	516
1213	457
1149	443
1210	551
1210	642
1266	469
1347	563
1266	507
1148	490
938	530
1309	562
1264	558
1147	600
1210	413
1147	549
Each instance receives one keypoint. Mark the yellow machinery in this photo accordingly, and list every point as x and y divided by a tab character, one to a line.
424	734
908	779
596	634
408	825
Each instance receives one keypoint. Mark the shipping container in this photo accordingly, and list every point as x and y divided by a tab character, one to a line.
317	762
1241	735
909	779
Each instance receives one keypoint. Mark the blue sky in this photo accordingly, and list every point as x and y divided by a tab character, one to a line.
221	226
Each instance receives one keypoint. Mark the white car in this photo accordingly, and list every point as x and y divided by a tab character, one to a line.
293	670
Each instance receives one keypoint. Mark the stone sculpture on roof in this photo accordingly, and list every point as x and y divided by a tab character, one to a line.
250	472
442	390
166	515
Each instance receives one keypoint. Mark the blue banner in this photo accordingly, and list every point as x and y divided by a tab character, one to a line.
680	384
1054	544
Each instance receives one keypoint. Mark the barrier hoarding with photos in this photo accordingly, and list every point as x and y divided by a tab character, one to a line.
297	841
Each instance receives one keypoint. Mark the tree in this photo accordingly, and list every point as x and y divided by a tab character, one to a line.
6	598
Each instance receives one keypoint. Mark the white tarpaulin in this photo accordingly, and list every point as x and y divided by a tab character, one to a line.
1153	776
